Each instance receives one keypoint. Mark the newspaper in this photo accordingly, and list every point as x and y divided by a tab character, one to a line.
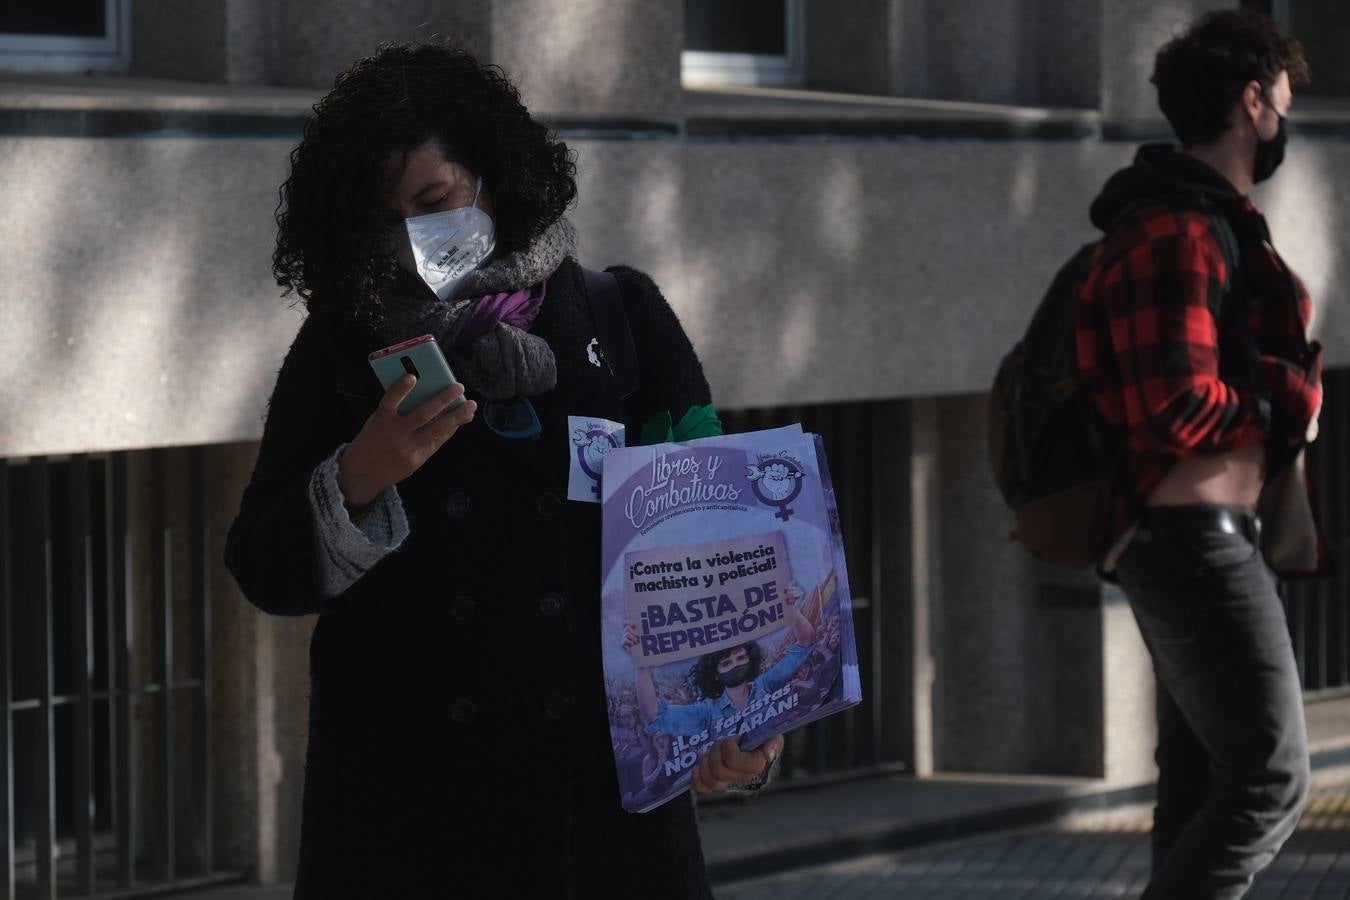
725	601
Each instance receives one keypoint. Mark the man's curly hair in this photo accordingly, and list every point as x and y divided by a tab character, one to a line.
703	673
1202	73
335	235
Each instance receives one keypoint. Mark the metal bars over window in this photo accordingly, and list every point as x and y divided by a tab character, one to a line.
105	677
853	741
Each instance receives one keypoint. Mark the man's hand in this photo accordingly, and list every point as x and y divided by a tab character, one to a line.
725	764
390	447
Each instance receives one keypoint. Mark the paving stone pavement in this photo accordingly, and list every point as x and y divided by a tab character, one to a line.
1092	856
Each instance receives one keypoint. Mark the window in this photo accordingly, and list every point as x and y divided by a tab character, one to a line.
105	674
1276	9
76	35
1323	29
747	42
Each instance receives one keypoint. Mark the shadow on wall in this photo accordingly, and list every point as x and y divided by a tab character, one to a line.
772	257
142	274
616	58
832	270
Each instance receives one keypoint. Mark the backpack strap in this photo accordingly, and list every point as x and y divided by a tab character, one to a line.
1228	246
611	325
1234	304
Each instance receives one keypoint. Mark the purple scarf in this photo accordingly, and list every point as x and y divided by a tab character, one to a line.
518	309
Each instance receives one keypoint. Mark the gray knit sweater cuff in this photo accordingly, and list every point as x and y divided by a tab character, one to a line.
348	550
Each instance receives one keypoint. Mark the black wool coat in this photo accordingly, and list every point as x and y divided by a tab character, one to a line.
459	741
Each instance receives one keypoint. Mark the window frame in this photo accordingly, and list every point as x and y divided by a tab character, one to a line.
710	68
72	53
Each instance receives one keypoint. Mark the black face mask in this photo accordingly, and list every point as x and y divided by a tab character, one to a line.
736	677
1269	154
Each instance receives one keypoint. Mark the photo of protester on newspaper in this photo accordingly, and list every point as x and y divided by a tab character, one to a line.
745	631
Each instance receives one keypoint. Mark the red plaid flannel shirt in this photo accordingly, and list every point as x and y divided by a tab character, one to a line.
1164	375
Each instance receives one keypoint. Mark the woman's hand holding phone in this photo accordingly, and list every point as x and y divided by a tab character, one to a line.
390	447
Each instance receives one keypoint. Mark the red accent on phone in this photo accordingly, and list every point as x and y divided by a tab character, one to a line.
378	354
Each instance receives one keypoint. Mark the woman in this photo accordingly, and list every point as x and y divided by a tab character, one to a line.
656	778
459	741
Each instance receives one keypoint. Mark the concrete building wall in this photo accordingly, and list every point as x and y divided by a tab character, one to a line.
984	709
862	46
1132	32
260	667
891	268
610	58
316	39
188	40
1039	670
618	58
1031	52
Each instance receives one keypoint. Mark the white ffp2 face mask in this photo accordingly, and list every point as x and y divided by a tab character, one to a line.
442	248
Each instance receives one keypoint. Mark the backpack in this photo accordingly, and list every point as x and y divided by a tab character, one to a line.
1052	457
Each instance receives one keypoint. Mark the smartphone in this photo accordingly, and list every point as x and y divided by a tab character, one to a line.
422	358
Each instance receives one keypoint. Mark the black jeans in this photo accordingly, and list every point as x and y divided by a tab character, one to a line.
1232	745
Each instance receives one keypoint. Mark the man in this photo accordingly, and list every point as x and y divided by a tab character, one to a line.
1201	363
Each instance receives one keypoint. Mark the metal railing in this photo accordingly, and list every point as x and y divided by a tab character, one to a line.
103	791
851	742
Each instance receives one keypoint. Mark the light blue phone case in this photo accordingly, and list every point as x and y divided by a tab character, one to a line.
427	363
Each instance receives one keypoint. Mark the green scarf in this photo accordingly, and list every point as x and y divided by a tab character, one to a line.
698	422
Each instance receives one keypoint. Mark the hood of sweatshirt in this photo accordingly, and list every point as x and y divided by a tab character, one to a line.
1160	172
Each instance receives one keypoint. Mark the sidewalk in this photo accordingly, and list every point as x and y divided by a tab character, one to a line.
793	828
1096	855
1101	854
814	826
982	836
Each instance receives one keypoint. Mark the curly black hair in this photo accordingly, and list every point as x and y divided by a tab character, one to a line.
703	673
1202	73
335	237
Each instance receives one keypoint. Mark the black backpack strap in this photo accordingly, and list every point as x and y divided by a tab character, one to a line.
611	325
1228	246
1234	303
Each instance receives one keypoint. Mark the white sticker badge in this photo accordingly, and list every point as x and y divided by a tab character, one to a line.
591	439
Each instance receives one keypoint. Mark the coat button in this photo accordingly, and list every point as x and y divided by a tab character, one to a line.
463	608
462	711
457	505
551	604
557	706
549	505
